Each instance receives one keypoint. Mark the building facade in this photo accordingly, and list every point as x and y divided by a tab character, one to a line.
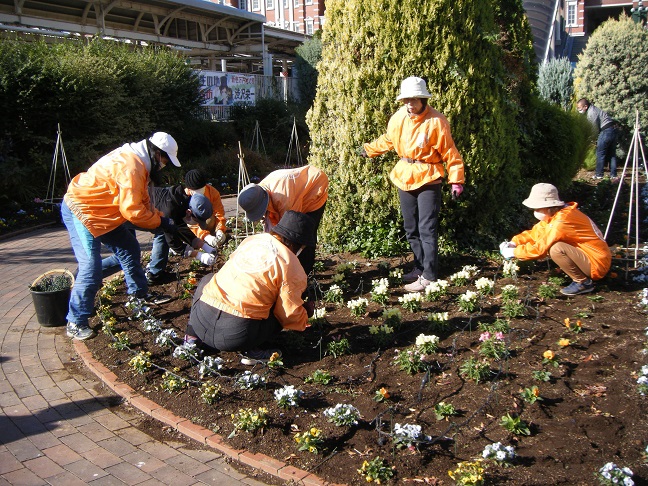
303	16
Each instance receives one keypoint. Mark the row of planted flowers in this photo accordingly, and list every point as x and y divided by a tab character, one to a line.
419	357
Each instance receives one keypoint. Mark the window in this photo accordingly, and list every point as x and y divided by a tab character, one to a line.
309	26
270	4
255	5
296	3
285	3
308	2
572	21
296	27
243	4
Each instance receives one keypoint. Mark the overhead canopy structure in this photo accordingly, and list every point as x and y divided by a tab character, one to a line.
207	32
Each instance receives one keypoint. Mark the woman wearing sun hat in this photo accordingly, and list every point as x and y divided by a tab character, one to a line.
569	237
421	137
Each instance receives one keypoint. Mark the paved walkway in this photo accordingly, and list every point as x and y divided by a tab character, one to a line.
59	424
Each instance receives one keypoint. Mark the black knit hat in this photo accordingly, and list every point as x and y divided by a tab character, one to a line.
194	179
297	227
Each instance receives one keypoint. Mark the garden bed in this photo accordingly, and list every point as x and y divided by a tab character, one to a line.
588	413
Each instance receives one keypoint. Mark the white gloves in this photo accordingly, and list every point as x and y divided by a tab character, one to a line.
507	244
206	258
188	251
208	249
211	240
507	252
216	240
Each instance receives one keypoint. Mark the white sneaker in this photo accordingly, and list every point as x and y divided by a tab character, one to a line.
419	286
413	276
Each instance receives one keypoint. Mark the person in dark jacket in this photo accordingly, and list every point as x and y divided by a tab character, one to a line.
184	209
606	142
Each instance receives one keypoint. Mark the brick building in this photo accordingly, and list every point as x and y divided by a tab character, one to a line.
303	16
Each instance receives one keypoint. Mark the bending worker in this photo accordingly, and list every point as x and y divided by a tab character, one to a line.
421	137
256	294
304	189
570	238
95	210
174	202
604	127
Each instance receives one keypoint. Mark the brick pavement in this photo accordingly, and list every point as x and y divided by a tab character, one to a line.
58	426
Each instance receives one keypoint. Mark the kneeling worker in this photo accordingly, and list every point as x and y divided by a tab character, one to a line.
572	240
256	293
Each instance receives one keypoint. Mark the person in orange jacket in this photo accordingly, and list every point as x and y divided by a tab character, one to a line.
96	210
421	137
304	189
569	237
256	293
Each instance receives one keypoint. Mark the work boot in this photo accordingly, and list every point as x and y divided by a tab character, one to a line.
156	298
413	276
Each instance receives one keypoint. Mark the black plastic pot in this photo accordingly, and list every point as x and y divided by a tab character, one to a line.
51	306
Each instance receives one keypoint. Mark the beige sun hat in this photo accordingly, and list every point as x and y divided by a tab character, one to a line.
413	87
543	196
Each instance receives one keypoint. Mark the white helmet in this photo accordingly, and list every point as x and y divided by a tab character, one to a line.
413	87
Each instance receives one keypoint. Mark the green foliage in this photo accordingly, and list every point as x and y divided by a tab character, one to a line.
52	283
338	347
556	82
515	425
612	71
379	239
308	55
103	93
478	73
553	145
475	370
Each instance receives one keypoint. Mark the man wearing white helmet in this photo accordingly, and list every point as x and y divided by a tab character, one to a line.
421	137
96	210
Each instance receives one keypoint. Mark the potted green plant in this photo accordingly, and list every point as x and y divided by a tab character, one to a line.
51	295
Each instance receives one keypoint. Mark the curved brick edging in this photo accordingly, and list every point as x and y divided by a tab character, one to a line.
205	436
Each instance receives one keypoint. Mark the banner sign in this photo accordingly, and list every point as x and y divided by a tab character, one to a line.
219	88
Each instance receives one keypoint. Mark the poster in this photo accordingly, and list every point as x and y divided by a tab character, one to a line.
220	88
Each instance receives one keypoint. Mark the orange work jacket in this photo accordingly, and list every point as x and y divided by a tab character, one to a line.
113	190
260	274
304	189
425	145
571	226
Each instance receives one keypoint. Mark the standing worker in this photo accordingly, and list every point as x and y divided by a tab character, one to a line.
421	137
256	294
568	236
606	142
96	209
304	189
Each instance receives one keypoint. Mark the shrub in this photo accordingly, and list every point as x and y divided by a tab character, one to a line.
477	79
612	71
556	82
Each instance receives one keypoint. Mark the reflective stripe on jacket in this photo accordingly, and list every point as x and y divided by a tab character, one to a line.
571	226
219	213
304	189
261	274
113	190
424	138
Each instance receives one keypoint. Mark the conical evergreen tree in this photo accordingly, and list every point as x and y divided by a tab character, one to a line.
477	63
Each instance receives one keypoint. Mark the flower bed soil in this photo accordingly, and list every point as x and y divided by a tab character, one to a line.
590	413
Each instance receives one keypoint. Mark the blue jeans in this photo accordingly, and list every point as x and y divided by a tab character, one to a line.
606	151
87	250
420	209
159	254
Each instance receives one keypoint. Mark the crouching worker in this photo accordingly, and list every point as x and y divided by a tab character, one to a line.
571	239
256	293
